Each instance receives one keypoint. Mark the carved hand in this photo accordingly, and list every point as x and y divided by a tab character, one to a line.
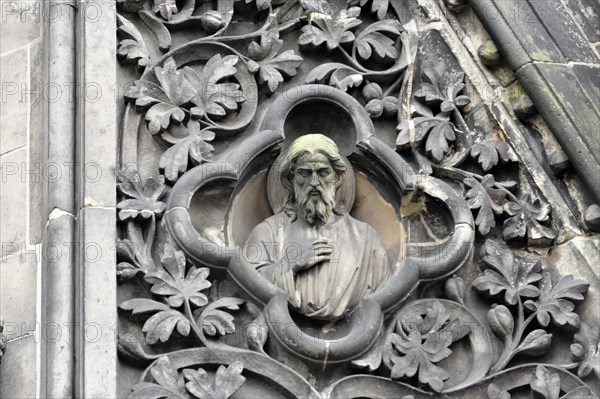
311	253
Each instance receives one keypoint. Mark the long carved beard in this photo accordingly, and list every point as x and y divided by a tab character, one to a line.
316	208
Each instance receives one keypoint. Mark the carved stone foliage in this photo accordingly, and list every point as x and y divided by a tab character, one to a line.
222	91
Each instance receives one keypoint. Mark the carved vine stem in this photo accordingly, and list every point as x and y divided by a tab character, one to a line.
200	338
451	172
511	343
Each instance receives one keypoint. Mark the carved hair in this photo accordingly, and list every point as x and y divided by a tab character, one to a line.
308	144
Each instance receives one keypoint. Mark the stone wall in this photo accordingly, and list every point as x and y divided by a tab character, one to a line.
23	173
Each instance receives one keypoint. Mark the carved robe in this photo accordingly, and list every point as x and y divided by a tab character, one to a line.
358	265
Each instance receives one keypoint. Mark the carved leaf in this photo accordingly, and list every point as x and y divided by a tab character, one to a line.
586	350
192	150
166	385
166	8
215	321
332	31
487	198
273	68
162	102
335	74
127	271
227	382
525	221
493	392
437	144
514	278
555	301
427	342
215	95
546	384
160	327
441	85
380	7
374	41
143	306
144	201
419	356
132	47
318	6
489	153
175	284
438	130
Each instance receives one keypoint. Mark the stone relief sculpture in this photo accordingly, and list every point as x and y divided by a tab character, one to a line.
319	214
325	260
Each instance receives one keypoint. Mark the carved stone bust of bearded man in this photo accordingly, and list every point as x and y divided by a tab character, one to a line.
324	259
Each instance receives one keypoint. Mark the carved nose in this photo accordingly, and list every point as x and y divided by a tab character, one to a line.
314	182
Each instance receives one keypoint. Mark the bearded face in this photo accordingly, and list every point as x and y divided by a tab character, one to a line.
314	187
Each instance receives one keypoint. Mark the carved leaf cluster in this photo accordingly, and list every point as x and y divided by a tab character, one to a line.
183	96
378	41
192	150
555	301
272	67
131	47
144	200
227	382
488	153
520	284
525	219
329	30
545	385
198	384
437	131
487	199
506	276
177	288
442	87
335	74
586	350
378	105
165	8
422	341
379	7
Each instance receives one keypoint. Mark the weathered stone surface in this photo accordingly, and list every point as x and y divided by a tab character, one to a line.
18	293
13	194
14	111
22	22
586	13
573	118
564	32
18	373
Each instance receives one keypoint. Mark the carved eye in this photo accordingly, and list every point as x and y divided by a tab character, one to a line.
304	173
324	172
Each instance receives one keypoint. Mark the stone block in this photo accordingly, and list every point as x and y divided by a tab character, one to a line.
534	38
22	22
18	292
14	101
587	14
570	114
13	195
589	77
18	371
563	31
